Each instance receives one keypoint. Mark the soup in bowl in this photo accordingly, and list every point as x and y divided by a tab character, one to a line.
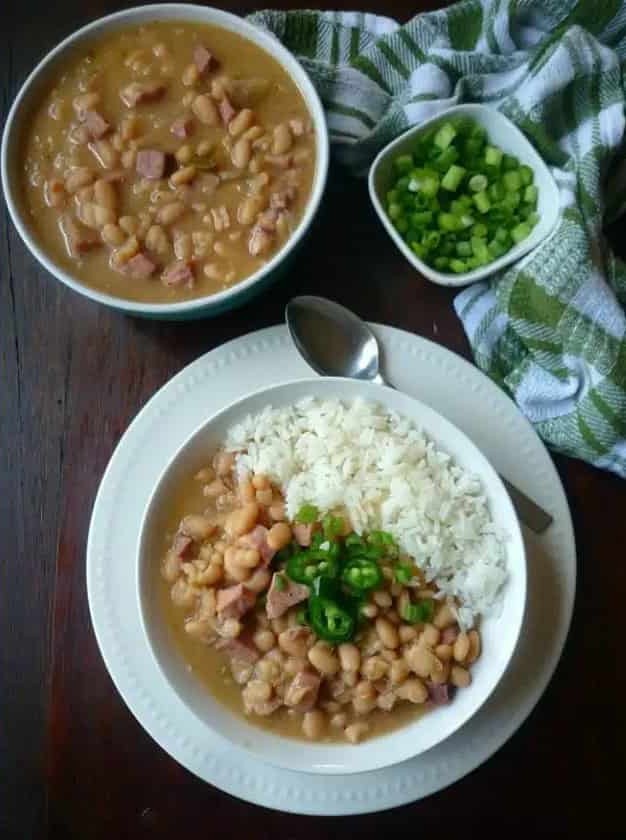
331	575
163	156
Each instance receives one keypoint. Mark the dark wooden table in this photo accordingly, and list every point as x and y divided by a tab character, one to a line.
73	761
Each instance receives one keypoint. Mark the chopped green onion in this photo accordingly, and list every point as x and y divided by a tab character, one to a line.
448	221
332	526
453	177
457	200
512	180
481	200
418	613
526	174
520	232
493	156
403	164
307	514
444	136
403	573
530	194
458	266
279	583
477	183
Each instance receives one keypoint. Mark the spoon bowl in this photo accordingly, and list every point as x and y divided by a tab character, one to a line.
333	340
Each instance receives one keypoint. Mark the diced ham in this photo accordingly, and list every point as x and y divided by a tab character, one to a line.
303	534
140	266
138	92
283	596
96	125
257	538
302	692
78	238
203	59
150	164
234	601
448	636
181	545
439	693
182	127
241	649
227	112
178	273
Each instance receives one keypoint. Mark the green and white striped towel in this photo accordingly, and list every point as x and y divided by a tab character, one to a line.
551	329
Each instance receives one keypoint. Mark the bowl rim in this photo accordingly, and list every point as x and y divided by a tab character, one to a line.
516	252
168	11
514	538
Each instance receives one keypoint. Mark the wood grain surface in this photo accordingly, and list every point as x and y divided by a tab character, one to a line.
74	763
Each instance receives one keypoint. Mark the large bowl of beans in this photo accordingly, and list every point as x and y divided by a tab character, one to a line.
301	634
166	160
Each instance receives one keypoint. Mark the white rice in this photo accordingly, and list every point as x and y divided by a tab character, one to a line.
387	475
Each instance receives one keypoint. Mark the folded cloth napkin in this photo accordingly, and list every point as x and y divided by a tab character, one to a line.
551	329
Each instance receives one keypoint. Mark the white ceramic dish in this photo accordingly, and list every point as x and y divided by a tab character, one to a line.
499	633
426	371
461	393
503	133
40	79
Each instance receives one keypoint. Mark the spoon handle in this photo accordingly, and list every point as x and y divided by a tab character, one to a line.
529	512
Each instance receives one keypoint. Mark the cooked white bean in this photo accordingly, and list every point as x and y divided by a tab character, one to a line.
349	656
185	175
356	731
412	690
104	193
279	536
239	123
205	110
387	633
241	153
322	658
241	521
112	235
313	724
197	527
78	177
460	677
282	139
157	240
444	617
170	213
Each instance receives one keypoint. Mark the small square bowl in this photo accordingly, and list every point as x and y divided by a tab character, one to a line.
502	133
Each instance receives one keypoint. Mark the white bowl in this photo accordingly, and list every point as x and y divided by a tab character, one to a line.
503	133
39	80
499	633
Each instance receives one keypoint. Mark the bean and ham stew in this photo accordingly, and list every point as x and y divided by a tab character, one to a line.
304	626
168	162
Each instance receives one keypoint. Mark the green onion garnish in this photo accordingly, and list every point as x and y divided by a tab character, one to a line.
307	514
452	198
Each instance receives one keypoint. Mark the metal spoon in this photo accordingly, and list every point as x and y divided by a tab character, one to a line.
336	342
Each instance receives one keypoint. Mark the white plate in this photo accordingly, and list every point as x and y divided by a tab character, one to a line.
451	386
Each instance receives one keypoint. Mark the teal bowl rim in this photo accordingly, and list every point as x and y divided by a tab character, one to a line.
196	307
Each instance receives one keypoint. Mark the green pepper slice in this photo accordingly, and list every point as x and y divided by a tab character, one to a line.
362	574
330	621
305	566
